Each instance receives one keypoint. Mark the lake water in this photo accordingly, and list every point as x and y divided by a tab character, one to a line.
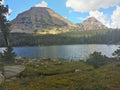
71	52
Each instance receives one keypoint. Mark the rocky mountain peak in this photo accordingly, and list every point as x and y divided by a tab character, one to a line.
37	19
92	24
91	19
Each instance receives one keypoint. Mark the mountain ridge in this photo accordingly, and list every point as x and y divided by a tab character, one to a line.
38	18
42	19
92	23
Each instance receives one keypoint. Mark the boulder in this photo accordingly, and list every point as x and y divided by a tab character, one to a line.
77	71
12	71
1	78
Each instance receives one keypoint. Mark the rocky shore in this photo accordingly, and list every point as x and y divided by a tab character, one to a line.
8	72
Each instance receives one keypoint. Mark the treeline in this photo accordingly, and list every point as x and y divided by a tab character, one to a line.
74	37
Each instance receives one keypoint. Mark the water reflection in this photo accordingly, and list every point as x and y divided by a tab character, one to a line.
75	52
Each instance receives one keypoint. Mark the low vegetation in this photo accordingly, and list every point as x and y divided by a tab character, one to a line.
116	54
64	75
8	56
96	59
98	72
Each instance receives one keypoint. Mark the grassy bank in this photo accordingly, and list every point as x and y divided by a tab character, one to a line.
64	75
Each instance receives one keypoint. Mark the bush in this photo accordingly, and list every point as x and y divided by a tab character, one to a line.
96	59
8	55
117	54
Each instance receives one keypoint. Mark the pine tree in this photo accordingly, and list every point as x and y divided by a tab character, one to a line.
8	54
117	54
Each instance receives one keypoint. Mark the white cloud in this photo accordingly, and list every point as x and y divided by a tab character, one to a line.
100	16
2	2
90	5
10	11
82	18
116	18
42	4
65	17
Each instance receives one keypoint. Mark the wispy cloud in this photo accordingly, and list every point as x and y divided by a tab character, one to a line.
81	18
65	17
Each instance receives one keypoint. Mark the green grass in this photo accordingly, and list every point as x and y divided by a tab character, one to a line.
61	75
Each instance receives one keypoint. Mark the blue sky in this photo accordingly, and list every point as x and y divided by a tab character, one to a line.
106	11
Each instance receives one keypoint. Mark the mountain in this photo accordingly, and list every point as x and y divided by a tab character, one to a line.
44	20
91	24
38	19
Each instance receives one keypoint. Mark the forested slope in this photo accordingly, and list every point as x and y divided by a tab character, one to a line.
73	37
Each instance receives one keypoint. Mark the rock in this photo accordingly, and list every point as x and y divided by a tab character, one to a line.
1	78
77	71
12	71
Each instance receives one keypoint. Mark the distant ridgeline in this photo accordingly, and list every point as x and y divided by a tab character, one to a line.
44	20
43	26
73	37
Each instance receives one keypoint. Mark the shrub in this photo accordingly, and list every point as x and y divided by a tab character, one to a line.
117	54
96	59
8	55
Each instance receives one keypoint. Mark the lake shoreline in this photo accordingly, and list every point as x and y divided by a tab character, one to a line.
68	75
62	45
69	52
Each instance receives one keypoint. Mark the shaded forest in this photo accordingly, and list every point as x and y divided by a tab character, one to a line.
110	36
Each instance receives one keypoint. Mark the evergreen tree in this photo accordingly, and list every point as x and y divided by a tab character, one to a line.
8	54
117	54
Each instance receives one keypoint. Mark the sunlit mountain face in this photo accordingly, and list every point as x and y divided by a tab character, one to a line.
75	11
38	19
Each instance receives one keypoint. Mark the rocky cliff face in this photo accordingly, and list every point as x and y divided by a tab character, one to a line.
92	24
37	19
